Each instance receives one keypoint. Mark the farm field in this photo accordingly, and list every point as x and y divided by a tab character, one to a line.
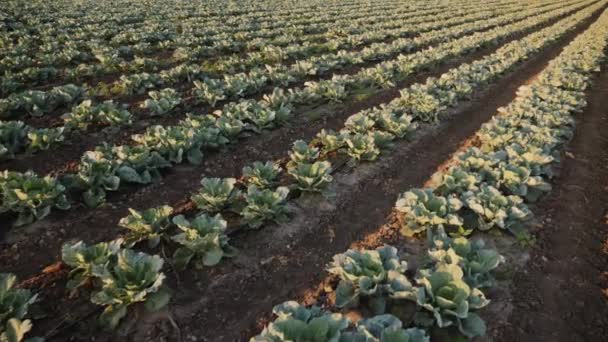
400	170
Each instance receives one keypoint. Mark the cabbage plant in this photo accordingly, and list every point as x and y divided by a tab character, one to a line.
105	113
14	305
162	102
148	225
312	177
383	328
262	175
97	174
264	205
215	194
208	91
136	164
329	141
458	180
447	301
421	209
85	261
30	196
489	208
531	157
295	322
230	127
135	278
382	139
12	138
518	180
375	277
362	147
203	241
174	143
302	153
43	138
359	123
420	104
476	260
398	125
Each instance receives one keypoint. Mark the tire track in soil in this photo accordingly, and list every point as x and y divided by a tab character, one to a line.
558	296
238	293
40	243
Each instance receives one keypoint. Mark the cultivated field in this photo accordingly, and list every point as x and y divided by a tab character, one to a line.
344	170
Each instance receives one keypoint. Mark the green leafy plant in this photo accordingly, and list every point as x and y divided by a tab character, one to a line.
162	102
384	328
518	180
172	142
30	196
375	277
476	260
86	261
264	205
135	278
456	181
421	209
262	175
215	194
105	113
359	123
210	91
203	241
43	138
298	323
302	153
97	174
329	141
312	177
362	147
136	164
447	300
12	138
489	208
399	125
14	304
148	225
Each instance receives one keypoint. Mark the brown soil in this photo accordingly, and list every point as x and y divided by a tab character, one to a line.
558	296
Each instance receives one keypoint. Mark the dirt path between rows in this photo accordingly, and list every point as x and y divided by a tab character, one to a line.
558	296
